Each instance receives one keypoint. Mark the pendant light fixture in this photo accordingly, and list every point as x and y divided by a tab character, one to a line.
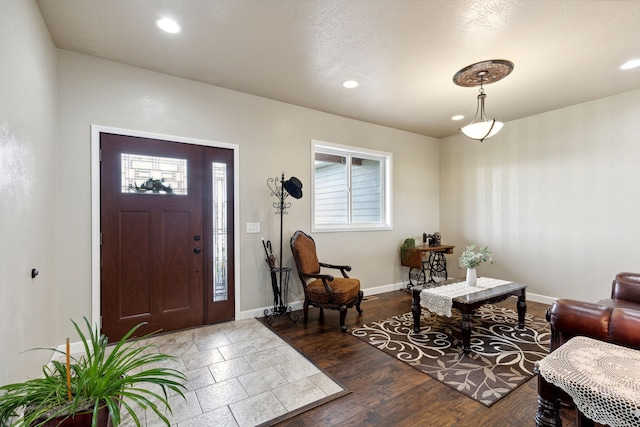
480	74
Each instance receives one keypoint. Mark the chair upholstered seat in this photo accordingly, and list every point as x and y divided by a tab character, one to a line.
323	290
344	290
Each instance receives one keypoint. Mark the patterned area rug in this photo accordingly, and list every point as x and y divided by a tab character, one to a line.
502	356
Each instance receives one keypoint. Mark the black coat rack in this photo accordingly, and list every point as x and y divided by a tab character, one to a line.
281	189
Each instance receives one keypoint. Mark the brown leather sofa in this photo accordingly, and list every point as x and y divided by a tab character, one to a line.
615	320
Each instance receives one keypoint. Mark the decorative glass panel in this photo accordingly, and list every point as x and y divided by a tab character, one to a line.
153	175
219	232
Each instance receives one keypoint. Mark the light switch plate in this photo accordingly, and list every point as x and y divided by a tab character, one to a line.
253	227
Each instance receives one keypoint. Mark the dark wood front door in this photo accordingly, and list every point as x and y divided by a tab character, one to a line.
163	259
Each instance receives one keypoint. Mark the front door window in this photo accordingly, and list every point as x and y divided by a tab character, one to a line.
153	174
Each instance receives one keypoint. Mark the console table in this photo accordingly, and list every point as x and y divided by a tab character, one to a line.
603	379
421	258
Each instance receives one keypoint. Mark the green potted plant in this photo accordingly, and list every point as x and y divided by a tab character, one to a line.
471	258
95	387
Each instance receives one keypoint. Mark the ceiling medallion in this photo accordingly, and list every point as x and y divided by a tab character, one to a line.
480	74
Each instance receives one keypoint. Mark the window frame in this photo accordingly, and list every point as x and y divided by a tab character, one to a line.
386	161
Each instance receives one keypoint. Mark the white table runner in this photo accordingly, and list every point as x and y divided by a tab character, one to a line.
602	378
439	299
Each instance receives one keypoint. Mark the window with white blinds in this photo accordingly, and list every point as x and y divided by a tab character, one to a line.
351	188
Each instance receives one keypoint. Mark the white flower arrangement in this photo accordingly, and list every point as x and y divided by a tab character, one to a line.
471	259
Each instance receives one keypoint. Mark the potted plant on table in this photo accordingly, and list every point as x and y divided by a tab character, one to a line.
94	388
471	258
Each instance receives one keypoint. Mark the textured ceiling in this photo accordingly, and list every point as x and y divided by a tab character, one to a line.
404	53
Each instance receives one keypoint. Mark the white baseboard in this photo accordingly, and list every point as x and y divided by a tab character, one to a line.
76	347
297	305
543	299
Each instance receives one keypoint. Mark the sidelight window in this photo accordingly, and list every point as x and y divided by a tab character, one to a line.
219	232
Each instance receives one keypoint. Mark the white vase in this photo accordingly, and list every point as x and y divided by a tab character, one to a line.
471	277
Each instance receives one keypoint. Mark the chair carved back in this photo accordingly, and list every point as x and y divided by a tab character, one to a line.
304	253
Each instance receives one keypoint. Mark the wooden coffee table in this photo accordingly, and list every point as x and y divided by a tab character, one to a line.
468	303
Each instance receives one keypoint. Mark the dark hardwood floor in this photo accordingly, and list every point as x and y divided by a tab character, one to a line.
387	392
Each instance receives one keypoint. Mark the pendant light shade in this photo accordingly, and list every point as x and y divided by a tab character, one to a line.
482	130
480	127
480	74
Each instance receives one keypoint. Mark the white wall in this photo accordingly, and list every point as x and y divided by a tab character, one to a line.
555	196
273	138
28	307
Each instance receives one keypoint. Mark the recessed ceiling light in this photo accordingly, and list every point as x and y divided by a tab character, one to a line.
168	25
630	64
457	117
350	84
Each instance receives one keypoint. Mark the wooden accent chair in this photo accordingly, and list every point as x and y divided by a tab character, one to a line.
323	290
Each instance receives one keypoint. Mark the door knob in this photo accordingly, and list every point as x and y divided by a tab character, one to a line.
197	250
196	237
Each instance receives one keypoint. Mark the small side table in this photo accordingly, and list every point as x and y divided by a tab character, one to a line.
435	262
603	380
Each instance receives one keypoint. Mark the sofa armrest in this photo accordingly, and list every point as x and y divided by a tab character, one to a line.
626	286
624	327
569	318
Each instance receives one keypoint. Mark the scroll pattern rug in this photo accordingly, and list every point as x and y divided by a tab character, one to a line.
502	356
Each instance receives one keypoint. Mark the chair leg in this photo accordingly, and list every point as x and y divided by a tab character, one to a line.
305	310
360	296
343	316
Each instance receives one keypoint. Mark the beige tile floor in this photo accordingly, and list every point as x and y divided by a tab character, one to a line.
239	374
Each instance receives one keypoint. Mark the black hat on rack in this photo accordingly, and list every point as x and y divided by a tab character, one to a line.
293	187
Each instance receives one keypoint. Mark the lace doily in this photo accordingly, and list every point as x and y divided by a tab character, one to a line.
440	299
602	378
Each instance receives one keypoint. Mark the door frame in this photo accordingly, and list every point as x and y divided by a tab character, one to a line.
96	259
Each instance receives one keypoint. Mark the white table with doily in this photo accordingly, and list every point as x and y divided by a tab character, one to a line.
603	379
